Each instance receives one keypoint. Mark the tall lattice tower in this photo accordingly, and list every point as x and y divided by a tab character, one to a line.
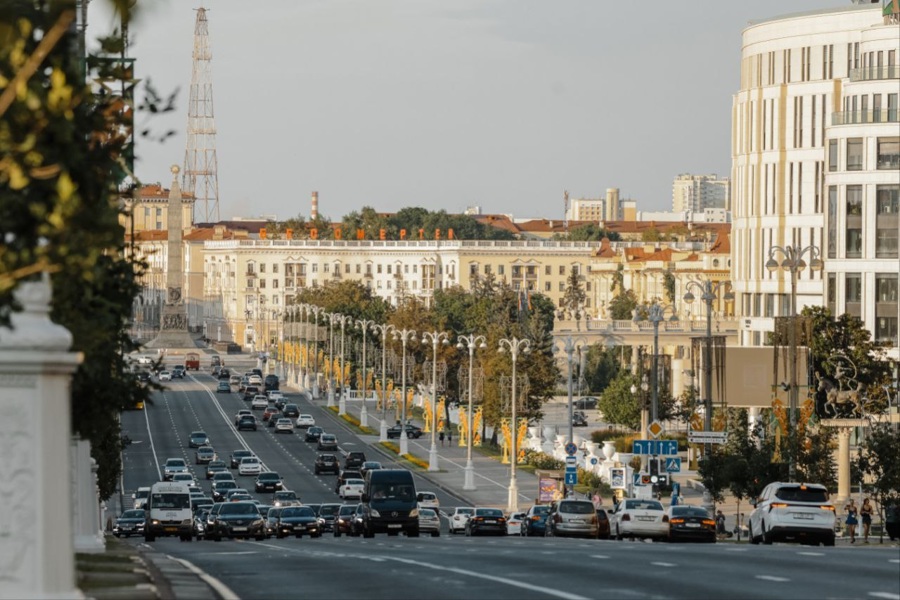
201	176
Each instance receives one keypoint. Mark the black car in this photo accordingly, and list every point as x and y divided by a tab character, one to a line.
270	382
269	482
691	523
412	432
237	455
486	520
247	422
327	516
291	411
273	418
238	520
130	522
327	463
313	433
224	373
297	521
354	460
215	466
343	523
586	403
272	516
579	419
221	488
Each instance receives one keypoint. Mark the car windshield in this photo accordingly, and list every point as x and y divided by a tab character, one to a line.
327	510
327	437
240	453
541	510
170	501
427	512
465	511
249	460
580	508
175	462
488	512
285	496
801	494
689	511
347	510
226	484
269	477
133	514
239	508
643	505
298	511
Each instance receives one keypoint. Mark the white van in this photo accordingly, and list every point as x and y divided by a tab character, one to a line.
169	512
140	497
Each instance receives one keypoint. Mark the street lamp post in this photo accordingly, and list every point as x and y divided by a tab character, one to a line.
645	385
315	310
364	325
303	366
708	291
514	345
332	319
385	330
570	346
470	342
435	338
247	315
404	335
793	263
342	403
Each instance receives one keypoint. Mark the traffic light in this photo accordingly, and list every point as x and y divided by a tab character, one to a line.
654	466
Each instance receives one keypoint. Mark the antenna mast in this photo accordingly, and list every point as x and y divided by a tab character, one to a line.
201	177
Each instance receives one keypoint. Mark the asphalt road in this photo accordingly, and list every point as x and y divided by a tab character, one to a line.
457	566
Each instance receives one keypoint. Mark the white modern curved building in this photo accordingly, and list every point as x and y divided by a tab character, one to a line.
816	162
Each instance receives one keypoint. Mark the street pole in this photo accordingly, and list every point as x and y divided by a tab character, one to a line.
793	263
315	351
435	338
404	335
384	330
514	345
570	345
331	318
364	324
342	403
470	342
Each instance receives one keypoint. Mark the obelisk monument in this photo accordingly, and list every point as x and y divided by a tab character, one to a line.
173	328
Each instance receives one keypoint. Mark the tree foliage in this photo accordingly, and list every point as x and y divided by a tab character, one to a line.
618	405
590	232
574	295
622	306
879	464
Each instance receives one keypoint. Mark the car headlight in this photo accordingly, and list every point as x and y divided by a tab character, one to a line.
414	512
258	522
374	513
154	522
187	522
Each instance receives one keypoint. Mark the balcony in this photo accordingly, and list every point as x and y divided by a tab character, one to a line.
863	117
875	73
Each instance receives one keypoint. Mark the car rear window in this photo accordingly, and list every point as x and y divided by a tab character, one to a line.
643	505
580	508
689	511
489	512
796	493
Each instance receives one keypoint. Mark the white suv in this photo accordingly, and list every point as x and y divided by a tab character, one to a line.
798	512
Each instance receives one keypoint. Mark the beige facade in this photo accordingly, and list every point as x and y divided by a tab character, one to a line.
147	210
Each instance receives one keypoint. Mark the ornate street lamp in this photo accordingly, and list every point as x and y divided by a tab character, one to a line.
435	338
342	403
470	342
404	336
332	318
315	310
656	314
570	346
385	330
514	345
364	325
793	263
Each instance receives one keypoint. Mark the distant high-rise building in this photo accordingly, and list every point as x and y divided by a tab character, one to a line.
695	193
596	209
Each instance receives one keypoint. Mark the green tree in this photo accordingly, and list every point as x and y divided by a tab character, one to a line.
601	366
618	405
651	234
591	232
879	464
574	295
622	306
669	285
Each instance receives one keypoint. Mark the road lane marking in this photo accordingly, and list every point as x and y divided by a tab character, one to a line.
894	560
152	447
811	553
772	578
220	588
599	556
663	564
885	595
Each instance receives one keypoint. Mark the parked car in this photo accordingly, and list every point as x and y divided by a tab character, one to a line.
429	522
486	520
634	517
204	455
304	421
237	455
197	439
514	523
223	386
535	521
602	524
284	425
130	522
247	423
298	521
412	432
459	517
586	403
270	481
796	512
327	463
572	518
312	434
327	441
688	522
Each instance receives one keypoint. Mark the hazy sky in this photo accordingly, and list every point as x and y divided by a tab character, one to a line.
446	104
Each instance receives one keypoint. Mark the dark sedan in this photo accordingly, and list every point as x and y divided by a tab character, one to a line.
297	521
690	523
247	422
268	482
215	466
343	523
313	433
238	520
327	463
535	522
130	522
327	515
586	403
412	432
486	520
237	455
602	524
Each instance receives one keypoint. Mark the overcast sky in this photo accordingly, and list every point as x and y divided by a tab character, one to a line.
446	104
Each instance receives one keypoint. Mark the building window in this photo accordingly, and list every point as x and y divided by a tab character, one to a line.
889	153
547	286
501	270
853	294
326	268
831	293
390	269
347	268
886	299
378	270
547	270
487	269
887	221
854	154
832	155
262	284
854	239
275	268
562	270
262	267
275	283
473	270
315	267
832	221
358	268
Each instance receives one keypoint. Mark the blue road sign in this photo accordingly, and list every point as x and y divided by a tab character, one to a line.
655	447
636	479
673	465
594	460
571	477
571	449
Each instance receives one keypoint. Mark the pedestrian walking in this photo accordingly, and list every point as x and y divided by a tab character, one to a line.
865	512
441	437
720	523
450	437
852	522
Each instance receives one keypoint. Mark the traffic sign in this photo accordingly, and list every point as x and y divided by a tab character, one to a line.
571	460
707	437
636	479
673	465
655	428
655	447
571	477
571	449
594	460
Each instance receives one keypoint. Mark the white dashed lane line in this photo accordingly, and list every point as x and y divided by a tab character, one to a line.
773	578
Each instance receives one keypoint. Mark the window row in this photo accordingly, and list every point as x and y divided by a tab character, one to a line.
301	269
887	154
886	227
885	302
526	271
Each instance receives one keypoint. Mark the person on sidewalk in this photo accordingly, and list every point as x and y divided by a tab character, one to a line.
851	522
441	437
450	437
865	512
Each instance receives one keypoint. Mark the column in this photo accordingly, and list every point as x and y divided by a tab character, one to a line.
88	536
843	462
37	558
